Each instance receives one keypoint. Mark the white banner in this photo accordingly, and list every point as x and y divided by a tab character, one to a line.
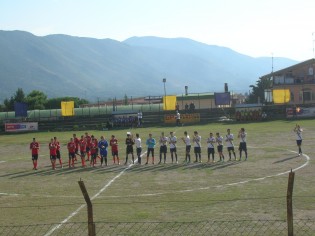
21	127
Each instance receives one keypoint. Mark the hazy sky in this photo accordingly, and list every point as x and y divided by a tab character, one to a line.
282	28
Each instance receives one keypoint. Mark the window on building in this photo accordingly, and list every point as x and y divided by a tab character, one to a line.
307	95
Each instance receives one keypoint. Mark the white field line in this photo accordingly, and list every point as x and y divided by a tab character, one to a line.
9	194
2	162
92	198
223	185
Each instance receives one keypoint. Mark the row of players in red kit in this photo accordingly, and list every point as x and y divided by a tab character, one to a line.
88	146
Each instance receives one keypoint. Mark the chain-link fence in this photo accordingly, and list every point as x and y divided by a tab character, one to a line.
236	227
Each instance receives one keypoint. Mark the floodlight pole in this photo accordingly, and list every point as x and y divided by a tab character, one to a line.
164	81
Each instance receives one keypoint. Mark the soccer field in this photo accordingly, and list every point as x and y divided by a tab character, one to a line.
237	190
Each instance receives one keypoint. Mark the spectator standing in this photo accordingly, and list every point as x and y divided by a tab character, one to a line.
177	118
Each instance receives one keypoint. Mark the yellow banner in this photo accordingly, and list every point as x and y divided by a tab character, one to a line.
67	108
281	96
169	103
184	118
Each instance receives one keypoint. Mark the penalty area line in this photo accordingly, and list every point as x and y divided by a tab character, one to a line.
92	198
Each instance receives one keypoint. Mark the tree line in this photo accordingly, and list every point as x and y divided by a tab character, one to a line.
258	90
37	100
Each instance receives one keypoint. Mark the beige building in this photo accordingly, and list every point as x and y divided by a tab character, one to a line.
299	79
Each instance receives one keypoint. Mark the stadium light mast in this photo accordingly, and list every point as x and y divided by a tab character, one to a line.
164	82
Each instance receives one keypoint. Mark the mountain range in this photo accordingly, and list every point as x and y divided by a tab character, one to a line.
99	69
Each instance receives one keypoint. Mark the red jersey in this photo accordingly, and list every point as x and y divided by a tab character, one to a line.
88	139
71	147
77	142
34	146
57	145
82	144
114	144
94	146
52	149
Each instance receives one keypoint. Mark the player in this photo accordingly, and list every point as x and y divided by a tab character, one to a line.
197	146
186	140
102	145
58	151
93	150
242	136
211	141
139	118
163	147
95	145
114	145
129	148
52	153
298	131
219	141
173	141
34	146
138	147
76	141
229	143
151	145
82	145
71	152
88	144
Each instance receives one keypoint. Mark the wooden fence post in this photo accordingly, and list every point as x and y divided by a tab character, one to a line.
289	203
91	225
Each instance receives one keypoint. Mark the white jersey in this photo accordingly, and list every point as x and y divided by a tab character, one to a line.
140	115
172	141
229	140
211	142
298	133
163	141
197	141
187	140
178	116
243	137
138	142
219	140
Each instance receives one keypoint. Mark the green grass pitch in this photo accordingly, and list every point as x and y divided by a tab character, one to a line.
252	189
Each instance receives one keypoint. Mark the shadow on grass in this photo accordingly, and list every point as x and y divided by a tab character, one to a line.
46	171
16	173
285	159
213	166
136	168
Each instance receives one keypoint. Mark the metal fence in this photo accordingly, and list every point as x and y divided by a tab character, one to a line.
53	114
234	227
